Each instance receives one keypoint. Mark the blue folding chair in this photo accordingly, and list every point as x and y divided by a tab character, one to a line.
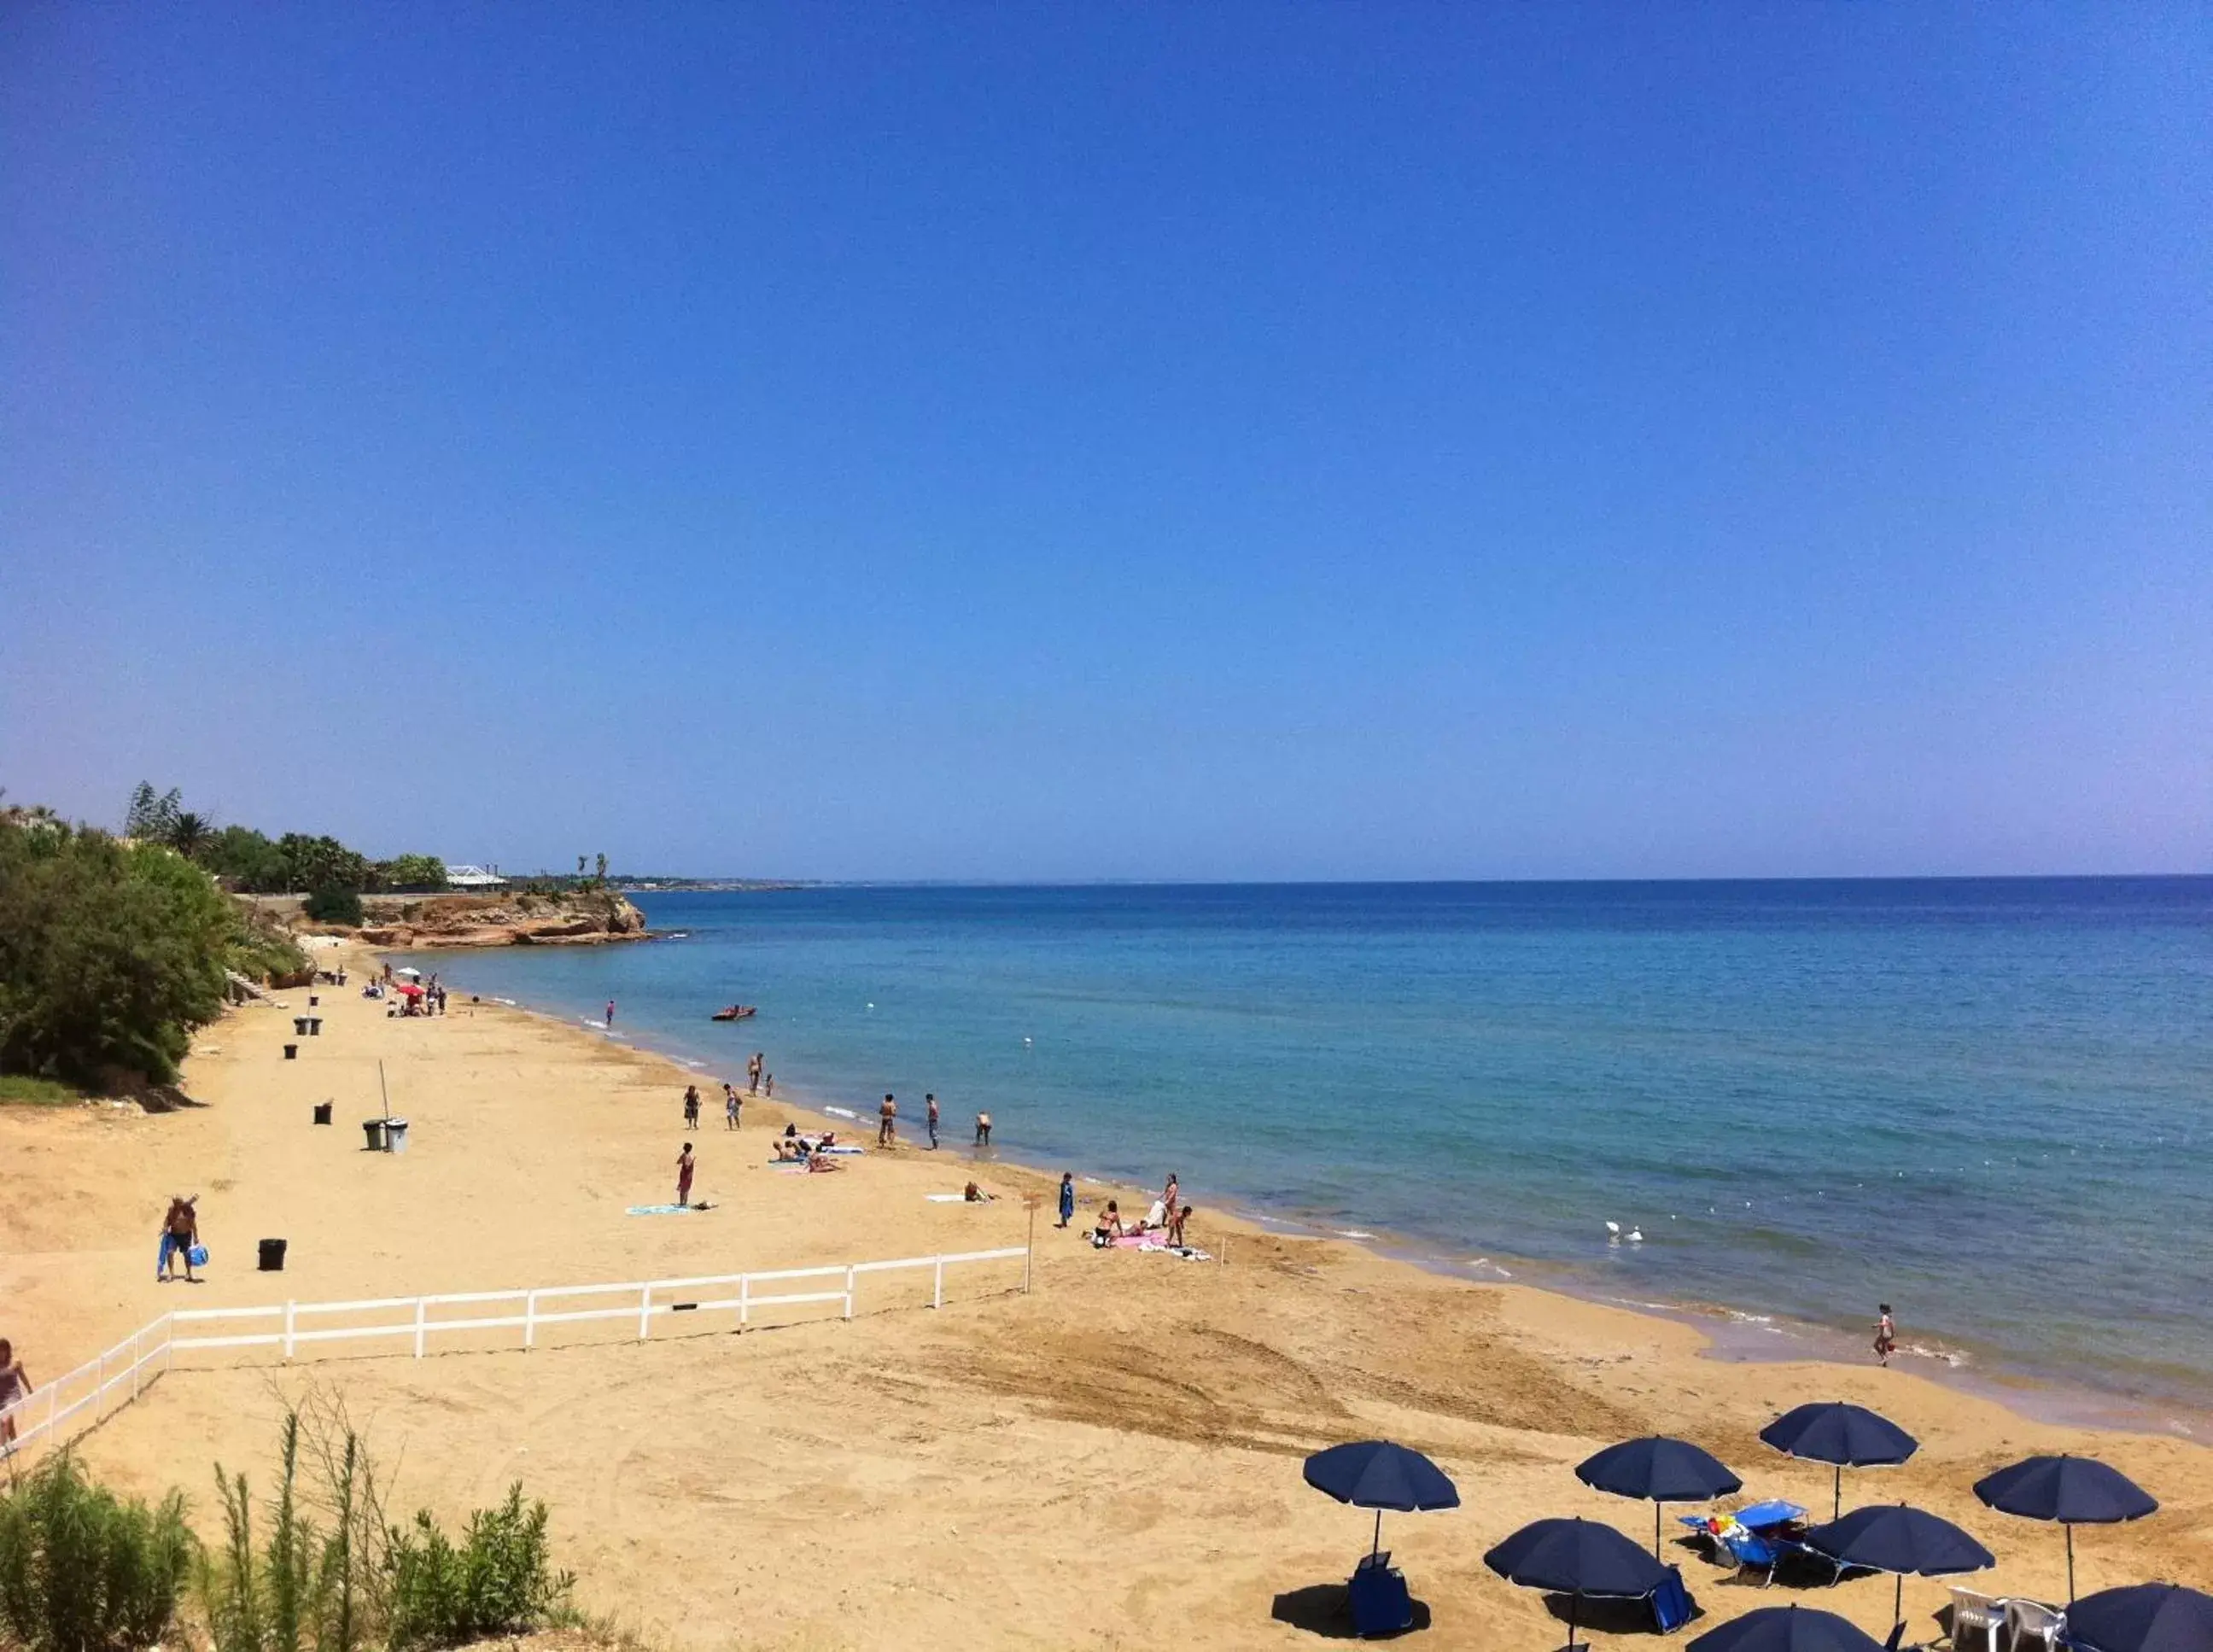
1752	1553
1672	1606
1380	1604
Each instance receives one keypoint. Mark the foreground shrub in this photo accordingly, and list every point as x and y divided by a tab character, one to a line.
316	1582
83	1570
499	1581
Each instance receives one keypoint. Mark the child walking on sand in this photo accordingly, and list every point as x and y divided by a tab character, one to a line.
730	1105
15	1385
1885	1335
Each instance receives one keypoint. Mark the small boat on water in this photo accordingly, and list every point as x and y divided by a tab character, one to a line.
736	1012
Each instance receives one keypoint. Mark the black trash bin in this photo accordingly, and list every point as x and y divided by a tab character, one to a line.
315	1026
298	1026
323	1113
291	1052
374	1129
273	1256
313	1001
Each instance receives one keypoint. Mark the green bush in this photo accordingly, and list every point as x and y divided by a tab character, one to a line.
499	1581
335	906
110	954
82	1571
317	1583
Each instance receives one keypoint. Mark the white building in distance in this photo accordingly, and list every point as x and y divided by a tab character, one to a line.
473	877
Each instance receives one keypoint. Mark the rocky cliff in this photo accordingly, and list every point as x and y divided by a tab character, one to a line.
575	919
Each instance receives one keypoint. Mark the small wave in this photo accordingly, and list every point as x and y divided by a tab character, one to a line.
1943	1355
1742	1318
1351	1233
841	1112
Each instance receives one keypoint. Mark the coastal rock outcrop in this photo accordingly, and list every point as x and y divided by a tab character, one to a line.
572	918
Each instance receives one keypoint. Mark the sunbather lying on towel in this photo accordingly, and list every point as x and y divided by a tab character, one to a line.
789	1152
822	1161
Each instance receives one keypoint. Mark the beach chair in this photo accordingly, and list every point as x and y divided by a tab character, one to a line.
1752	1552
2032	1620
1672	1606
1977	1622
1379	1602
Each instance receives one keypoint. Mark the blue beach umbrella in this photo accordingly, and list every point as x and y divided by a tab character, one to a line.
1850	1437
2072	1490
1786	1629
1897	1540
1576	1557
1378	1475
1660	1470
2146	1618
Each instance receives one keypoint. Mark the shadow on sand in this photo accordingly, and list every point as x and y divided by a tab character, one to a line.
1321	1609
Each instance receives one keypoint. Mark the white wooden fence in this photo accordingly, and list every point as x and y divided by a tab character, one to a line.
102	1386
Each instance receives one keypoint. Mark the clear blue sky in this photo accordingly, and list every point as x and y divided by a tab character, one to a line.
1246	442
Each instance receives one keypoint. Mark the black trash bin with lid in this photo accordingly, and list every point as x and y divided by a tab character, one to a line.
273	1256
315	1026
374	1129
323	1113
291	1052
298	1026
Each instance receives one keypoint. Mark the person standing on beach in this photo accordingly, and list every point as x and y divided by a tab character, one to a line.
611	1012
730	1105
691	1106
1169	1195
1885	1335
181	1231
753	1073
931	1101
983	1129
685	1165
886	1121
1067	1197
15	1386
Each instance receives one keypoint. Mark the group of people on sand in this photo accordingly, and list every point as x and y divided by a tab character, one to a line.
887	1122
815	1152
1163	1223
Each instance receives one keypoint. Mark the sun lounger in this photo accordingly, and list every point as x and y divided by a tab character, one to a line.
1752	1552
1379	1603
1977	1620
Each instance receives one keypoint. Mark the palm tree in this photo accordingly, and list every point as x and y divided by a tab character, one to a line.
189	833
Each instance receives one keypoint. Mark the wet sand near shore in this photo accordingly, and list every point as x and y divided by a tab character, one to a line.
1112	1459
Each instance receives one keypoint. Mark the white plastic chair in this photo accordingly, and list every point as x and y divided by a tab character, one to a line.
2030	1620
1976	1621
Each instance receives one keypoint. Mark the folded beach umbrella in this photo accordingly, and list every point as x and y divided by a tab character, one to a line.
1893	1538
1659	1470
1576	1557
1787	1629
1378	1475
2145	1618
2073	1490
1850	1437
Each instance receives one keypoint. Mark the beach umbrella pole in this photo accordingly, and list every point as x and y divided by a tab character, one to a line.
2069	1528
1656	1507
1575	1611
1897	1599
1837	1504
1376	1548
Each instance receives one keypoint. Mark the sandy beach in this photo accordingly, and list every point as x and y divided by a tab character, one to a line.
1111	1459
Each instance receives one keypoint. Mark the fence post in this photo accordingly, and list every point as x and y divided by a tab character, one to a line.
849	1275
290	1306
745	1298
530	1320
937	1295
645	1311
422	1317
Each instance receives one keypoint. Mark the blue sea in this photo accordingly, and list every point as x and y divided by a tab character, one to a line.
1988	1102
